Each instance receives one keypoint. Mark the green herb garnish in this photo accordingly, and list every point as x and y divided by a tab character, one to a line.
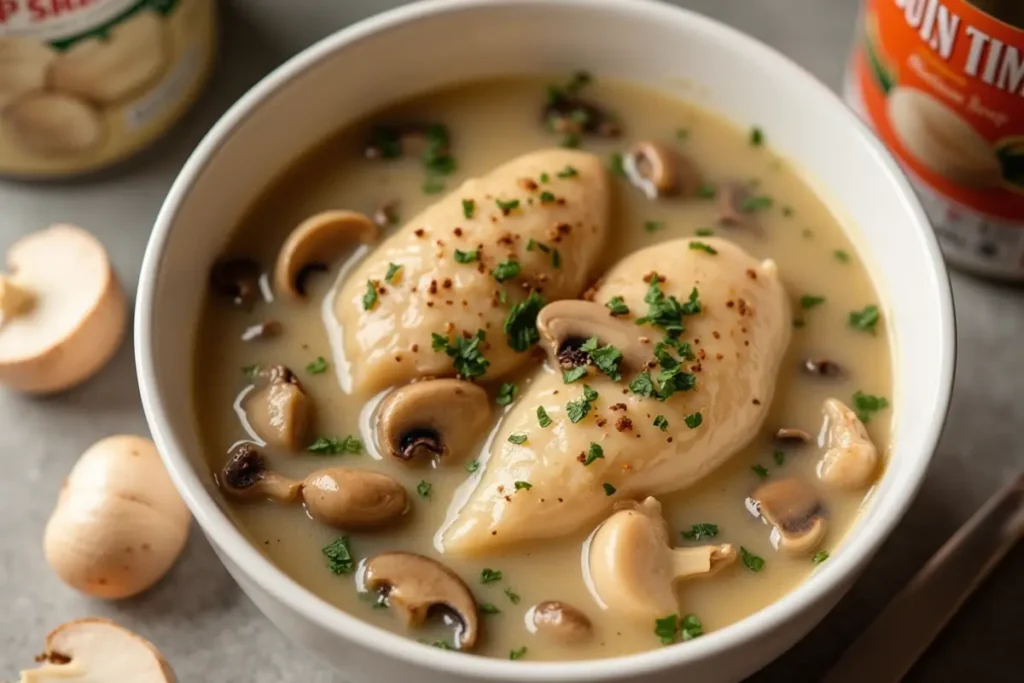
755	203
698	532
756	136
489	608
866	320
866	405
507	206
694	420
703	246
667	629
512	595
568	172
370	297
691	627
339	556
465	353
617	306
521	323
518	438
841	256
809	301
466	256
433	186
517	654
704	232
330	446
423	488
523	486
760	471
542	417
707	191
571	375
609	490
506	270
594	452
615	164
546	197
607	359
751	561
506	394
317	367
468	207
819	557
642	385
653	226
661	422
393	269
472	465
490	575
779	457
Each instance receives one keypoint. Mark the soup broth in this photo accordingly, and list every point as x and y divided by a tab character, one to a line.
490	123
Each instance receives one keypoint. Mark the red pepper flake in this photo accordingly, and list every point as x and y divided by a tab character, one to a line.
582	457
624	424
714	333
508	499
601	422
746	342
702	354
619	406
668	440
449	302
457	232
447	284
480	267
494	219
743	308
719	356
419	232
501	488
696	367
563	228
430	304
440	243
528	184
433	287
756	402
730	303
743	330
505	239
381	290
398	358
415	348
652	275
751	273
560	201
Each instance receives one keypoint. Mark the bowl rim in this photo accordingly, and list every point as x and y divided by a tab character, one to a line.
839	573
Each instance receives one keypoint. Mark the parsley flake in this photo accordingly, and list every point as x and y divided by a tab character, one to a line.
370	297
667	629
653	226
517	654
490	575
339	556
506	394
546	197
756	136
661	423
465	353
468	208
568	172
760	471
779	457
423	488
693	421
866	405
594	452
707	191
751	561
393	269
506	270
330	446
698	532
691	627
642	385
704	232
317	367
819	557
755	203
489	608
866	319
472	465
841	256
571	375
617	306
521	323
466	256
507	206
512	595
523	486
809	301
703	246
542	417
607	359
615	164
609	490
518	438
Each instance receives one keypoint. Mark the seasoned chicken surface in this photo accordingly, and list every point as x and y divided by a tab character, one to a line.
630	443
538	221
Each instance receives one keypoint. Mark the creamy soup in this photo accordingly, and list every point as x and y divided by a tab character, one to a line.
665	311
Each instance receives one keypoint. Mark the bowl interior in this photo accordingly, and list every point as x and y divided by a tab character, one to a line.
409	51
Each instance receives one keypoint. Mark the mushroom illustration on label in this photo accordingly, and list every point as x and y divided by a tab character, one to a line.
23	65
53	124
98	651
64	312
119	524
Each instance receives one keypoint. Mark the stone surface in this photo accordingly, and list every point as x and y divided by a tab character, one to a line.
201	620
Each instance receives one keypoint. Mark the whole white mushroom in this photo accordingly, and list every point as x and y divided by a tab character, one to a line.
119	524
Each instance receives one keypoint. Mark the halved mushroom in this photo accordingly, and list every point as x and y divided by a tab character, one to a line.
850	458
278	409
63	310
316	243
416	586
341	497
658	171
565	325
432	418
236	279
821	367
792	435
795	513
559	621
98	651
633	569
736	205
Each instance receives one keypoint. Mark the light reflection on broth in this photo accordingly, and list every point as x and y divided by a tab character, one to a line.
491	123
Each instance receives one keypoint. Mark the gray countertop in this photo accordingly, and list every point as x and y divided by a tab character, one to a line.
205	625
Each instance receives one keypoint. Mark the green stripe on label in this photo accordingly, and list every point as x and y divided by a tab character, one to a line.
102	31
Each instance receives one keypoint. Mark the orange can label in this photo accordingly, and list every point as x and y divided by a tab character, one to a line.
942	82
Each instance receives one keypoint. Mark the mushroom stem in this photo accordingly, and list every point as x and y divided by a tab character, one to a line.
704	560
14	299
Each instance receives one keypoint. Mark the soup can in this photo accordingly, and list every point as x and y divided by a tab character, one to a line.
86	83
942	84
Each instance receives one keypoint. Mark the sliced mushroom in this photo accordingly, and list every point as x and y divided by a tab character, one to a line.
791	435
633	569
432	418
236	279
822	367
658	171
279	411
565	325
393	141
98	651
795	513
317	242
733	205
416	586
850	458
268	329
559	621
245	476
63	310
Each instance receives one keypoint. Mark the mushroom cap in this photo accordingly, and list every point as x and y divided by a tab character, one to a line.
795	511
415	585
559	621
570	320
99	651
78	317
851	458
319	240
443	417
632	568
119	524
348	498
280	412
245	477
658	170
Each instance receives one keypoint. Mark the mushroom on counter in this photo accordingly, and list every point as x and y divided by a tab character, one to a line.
795	512
559	621
633	569
316	243
119	524
659	171
850	458
565	325
63	309
415	586
278	410
98	651
341	497
432	418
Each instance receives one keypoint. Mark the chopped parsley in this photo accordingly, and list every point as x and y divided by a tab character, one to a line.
779	457
423	488
809	301
609	490
866	405
442	645
615	164
518	438
490	575
317	367
546	197
841	256
661	423
667	629
542	417
523	486
707	191
472	465
250	371
642	385
667	312
506	270
571	375
489	608
755	203
517	654
326	445
607	359
556	259
698	532
653	226
339	556
675	380
432	186
465	353
704	232
568	172
468	208
393	269
507	206
819	557
437	156
756	136
694	420
512	595
534	244
751	561
466	256
691	627
578	409
703	246
370	297
617	306
594	452
865	320
506	394
760	471
521	323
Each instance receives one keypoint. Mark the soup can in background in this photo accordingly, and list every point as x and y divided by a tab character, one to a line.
942	84
86	83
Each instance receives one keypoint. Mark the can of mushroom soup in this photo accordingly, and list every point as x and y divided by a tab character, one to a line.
942	83
85	83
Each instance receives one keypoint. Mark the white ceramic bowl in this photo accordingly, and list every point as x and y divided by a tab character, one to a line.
433	44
